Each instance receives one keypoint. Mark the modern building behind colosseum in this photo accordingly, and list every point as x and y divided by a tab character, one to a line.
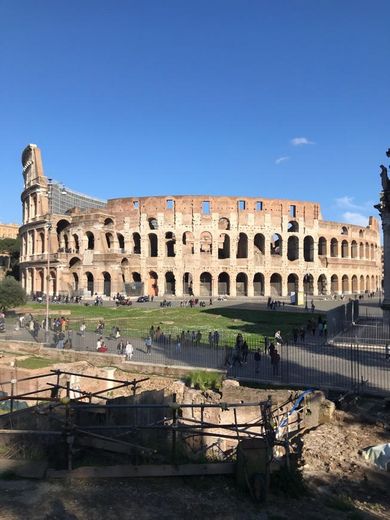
184	245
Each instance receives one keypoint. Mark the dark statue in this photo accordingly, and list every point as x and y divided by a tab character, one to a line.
384	206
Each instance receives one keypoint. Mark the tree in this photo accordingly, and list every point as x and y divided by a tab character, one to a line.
12	293
11	248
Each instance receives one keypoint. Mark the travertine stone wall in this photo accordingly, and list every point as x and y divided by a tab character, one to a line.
194	245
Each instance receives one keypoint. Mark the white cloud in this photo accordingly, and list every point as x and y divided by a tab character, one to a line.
299	141
346	202
350	217
282	159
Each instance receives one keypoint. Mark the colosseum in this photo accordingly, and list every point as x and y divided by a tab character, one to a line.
203	246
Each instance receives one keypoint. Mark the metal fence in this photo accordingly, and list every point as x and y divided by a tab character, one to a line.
358	359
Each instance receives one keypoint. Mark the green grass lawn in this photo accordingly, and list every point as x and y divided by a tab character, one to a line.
36	362
229	320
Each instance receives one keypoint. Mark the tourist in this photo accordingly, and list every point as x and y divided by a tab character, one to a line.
313	307
275	360
236	356
257	358
278	339
216	338
120	348
295	335
210	339
129	350
103	347
244	352
148	344
266	344
178	344
99	342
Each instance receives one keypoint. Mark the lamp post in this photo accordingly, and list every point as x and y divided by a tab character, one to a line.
48	229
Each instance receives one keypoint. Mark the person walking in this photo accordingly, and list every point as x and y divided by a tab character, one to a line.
257	358
120	348
275	360
148	344
278	339
244	352
129	350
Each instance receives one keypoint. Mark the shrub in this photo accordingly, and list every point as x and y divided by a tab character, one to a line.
204	380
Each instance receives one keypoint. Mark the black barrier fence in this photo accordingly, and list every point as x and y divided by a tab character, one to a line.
358	362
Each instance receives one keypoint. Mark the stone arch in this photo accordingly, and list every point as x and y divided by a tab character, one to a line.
205	284
259	244
61	227
223	284
125	268
223	246
153	245
90	240
293	248
276	285
293	227
334	284
170	241
136	243
276	245
188	243
345	284
373	283
334	248
136	277
90	282
152	283
308	284
292	283
354	249
41	281
206	243
344	230
372	251
106	283
308	249
109	240
258	284
42	242
108	221
322	285
242	246
75	284
367	251
121	242
75	262
153	224
344	249
224	224
53	282
322	246
367	283
188	284
354	284
361	283
361	233
361	250
242	284
170	283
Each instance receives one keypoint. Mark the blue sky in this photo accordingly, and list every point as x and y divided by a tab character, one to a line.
285	99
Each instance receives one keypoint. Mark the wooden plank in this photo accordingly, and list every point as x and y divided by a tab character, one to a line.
164	470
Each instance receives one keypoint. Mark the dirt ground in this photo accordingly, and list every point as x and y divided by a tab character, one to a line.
338	483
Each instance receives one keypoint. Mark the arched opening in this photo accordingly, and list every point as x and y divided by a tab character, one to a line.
293	248
205	284
354	284
42	242
170	241
334	248
344	230
66	243
361	250
90	283
188	243
308	249
136	243
108	222
372	251
223	284
322	285
223	246
344	249
292	283
276	285
153	245
276	245
76	243
170	283
153	284
334	284
125	267
258	284
61	228
74	262
367	253
136	277
121	242
153	224
372	283
242	246
109	240
322	246
361	283
41	282
106	284
90	240
242	284
206	243
354	249
367	283
75	282
293	227
259	245
187	284
345	284
224	224
53	283
308	284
